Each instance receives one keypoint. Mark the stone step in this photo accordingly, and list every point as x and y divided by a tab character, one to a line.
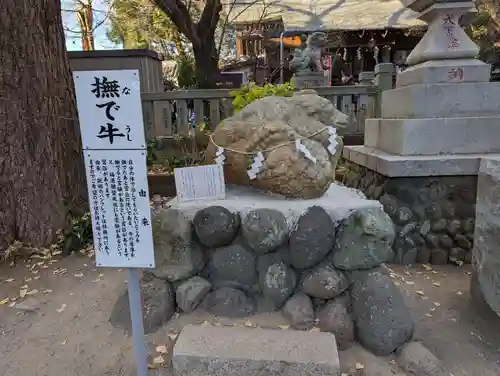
234	351
455	135
441	100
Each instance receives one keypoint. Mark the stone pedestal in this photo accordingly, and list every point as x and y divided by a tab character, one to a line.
434	128
306	80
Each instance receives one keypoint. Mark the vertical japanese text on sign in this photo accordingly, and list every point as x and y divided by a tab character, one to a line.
110	110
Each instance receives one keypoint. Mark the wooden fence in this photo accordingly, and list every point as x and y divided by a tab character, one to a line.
178	112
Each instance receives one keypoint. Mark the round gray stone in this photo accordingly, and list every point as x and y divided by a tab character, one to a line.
277	283
383	322
334	317
425	228
403	216
215	226
468	225
439	257
233	264
454	227
390	205
324	282
408	229
191	292
299	311
364	240
432	240
445	241
463	242
424	255
406	251
312	239
439	225
457	254
228	302
264	230
415	359
177	253
158	305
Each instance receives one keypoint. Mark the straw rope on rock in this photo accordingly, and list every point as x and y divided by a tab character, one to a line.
270	128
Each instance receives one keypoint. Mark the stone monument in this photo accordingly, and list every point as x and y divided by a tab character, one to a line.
306	63
421	157
274	125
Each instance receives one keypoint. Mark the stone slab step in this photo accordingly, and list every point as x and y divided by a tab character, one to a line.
235	351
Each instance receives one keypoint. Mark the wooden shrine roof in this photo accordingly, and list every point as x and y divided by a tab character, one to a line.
311	15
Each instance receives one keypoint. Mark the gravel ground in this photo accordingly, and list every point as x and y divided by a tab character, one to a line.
61	324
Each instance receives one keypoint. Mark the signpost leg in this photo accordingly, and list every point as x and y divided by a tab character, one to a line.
134	297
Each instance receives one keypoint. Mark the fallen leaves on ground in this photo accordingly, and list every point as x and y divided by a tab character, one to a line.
437	284
315	329
420	292
156	362
173	336
78	275
4	301
162	349
284	326
61	310
359	366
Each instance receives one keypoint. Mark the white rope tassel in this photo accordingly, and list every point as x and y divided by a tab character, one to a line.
301	148
332	140
219	156
256	166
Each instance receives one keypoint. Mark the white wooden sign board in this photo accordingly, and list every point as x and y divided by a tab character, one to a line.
200	183
110	109
120	209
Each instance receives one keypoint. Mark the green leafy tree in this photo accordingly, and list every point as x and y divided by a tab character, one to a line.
485	29
140	24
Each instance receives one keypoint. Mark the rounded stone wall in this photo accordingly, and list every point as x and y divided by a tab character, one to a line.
433	216
318	272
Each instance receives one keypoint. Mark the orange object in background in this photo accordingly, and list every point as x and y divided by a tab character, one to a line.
294	41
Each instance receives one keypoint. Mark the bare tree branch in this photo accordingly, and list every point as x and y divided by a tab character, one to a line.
180	16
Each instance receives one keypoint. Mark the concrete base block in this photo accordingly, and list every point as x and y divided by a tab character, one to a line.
417	165
230	351
463	135
445	71
442	100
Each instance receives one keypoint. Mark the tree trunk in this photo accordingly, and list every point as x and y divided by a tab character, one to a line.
41	166
207	65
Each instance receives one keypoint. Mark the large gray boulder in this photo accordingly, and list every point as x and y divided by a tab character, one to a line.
264	230
228	302
191	292
215	226
383	322
324	282
158	306
273	123
334	317
233	264
486	251
312	238
364	240
277	282
177	253
299	311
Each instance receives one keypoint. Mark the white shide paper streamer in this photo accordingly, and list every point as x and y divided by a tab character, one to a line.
302	149
256	166
332	140
219	156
